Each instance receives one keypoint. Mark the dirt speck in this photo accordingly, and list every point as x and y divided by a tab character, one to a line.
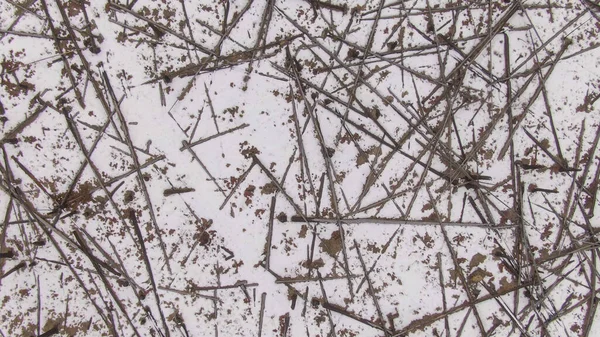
128	197
476	260
268	188
282	217
303	231
249	193
315	264
333	245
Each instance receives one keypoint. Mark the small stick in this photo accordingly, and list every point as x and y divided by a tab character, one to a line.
12	134
457	266
422	323
370	285
177	190
195	156
19	266
212	109
17	195
24	8
443	288
238	284
39	304
286	324
219	134
239	181
26	34
290	288
506	309
533	98
325	304
107	284
320	194
138	232
279	187
472	55
33	178
102	130
311	255
140	178
342	311
59	47
479	214
50	332
196	124
215	307
119	7
263	300
311	279
299	135
182	292
392	221
383	250
270	233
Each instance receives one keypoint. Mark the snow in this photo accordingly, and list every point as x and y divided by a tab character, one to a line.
142	200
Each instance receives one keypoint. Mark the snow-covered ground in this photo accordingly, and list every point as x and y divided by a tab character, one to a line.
299	168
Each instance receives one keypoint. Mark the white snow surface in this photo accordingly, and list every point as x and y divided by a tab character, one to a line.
443	182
